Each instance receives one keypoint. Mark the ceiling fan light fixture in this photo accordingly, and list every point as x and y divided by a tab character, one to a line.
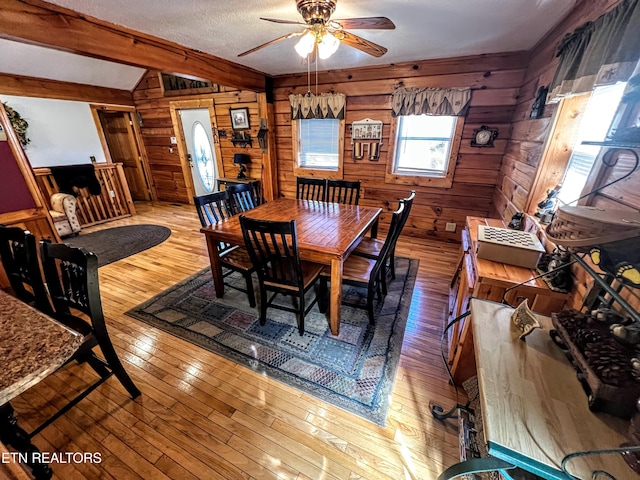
328	46
305	45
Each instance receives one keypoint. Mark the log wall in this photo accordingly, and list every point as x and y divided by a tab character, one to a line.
495	81
157	130
526	145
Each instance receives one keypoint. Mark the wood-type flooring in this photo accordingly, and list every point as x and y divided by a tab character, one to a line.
202	416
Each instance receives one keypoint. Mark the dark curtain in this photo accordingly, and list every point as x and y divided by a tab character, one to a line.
601	52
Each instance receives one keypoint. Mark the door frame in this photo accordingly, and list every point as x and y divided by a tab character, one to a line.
174	107
136	141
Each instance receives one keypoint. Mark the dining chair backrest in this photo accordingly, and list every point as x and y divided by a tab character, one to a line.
72	279
343	191
273	248
408	203
395	227
242	197
311	189
212	208
19	255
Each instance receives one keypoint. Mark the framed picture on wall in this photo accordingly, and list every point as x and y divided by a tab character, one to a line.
239	118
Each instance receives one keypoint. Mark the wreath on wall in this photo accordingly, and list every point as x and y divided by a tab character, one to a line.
19	125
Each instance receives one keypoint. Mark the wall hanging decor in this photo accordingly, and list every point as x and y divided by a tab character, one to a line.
366	135
537	109
19	125
484	136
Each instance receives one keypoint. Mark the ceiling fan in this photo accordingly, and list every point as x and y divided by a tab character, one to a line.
322	35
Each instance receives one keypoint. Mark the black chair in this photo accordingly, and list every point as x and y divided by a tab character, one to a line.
343	191
311	189
366	272
242	197
19	255
371	247
72	279
273	247
214	208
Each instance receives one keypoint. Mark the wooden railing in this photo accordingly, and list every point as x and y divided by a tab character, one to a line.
113	202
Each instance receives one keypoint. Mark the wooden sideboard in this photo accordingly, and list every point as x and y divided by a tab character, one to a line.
485	279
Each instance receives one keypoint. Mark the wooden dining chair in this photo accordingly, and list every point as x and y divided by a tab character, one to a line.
371	247
242	197
311	189
214	208
72	279
366	272
273	247
343	191
19	255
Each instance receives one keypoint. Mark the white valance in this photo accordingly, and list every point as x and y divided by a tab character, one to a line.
430	101
325	105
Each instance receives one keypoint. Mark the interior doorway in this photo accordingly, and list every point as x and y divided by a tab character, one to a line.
122	145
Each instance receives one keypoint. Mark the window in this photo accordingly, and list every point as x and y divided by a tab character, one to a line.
423	145
203	156
318	145
594	127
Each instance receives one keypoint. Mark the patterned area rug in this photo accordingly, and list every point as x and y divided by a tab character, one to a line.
354	371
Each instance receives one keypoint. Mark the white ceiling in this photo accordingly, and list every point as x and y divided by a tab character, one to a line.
33	61
425	29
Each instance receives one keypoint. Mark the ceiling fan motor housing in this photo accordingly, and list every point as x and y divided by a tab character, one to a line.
316	11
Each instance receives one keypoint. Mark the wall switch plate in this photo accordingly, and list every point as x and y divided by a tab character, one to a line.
450	227
112	194
174	140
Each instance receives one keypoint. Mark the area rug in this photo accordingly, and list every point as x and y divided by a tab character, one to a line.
354	371
116	243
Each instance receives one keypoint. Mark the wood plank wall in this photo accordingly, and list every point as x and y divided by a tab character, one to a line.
526	145
157	130
495	81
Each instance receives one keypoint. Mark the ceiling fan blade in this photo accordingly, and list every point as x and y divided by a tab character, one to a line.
288	22
371	23
284	37
361	44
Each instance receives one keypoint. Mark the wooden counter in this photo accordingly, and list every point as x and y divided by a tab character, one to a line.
534	409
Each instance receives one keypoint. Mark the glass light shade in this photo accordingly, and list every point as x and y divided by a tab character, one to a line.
328	46
305	45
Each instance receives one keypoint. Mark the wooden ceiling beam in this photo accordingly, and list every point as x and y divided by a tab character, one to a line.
41	23
37	87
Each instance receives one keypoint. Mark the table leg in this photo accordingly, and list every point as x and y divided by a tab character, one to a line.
374	228
12	434
216	266
335	295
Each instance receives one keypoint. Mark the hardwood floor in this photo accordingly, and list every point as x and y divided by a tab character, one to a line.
202	416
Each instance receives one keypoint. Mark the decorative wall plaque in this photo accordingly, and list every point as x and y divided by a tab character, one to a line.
366	135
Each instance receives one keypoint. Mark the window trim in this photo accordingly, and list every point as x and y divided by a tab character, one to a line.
445	181
311	172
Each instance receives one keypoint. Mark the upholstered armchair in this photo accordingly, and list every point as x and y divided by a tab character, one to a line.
63	213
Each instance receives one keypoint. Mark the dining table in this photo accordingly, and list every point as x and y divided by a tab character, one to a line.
32	346
327	233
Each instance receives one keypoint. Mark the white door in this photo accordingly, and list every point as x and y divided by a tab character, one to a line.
196	128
